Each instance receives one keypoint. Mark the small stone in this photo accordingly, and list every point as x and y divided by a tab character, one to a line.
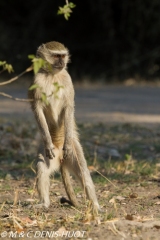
114	153
8	176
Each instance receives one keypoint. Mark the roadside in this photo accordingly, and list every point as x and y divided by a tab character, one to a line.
107	104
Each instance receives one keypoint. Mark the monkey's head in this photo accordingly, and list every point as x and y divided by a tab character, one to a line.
55	53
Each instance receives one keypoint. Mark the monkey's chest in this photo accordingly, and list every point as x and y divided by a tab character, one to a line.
56	109
54	96
53	110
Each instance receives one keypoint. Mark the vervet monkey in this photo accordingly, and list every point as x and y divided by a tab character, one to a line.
62	149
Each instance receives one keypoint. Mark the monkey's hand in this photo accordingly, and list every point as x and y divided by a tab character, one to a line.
67	151
50	152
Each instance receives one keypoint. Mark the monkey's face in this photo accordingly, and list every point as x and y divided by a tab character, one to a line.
55	54
58	62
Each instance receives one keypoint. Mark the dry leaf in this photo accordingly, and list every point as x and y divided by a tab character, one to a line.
62	231
91	168
30	200
129	217
157	226
120	198
28	222
19	230
133	195
97	220
112	200
88	218
26	219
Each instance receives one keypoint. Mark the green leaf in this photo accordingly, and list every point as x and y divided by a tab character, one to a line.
8	67
44	98
128	157
35	67
31	56
48	66
72	5
2	63
37	64
66	10
34	86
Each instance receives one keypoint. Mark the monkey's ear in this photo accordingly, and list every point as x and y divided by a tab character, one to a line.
40	51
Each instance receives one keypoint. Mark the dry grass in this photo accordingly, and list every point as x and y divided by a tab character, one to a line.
124	161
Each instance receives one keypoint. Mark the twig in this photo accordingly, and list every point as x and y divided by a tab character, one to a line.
2	71
2	206
18	76
16	99
16	197
116	230
31	166
22	99
110	228
105	178
77	210
15	221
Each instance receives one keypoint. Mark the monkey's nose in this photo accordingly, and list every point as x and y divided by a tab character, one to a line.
61	64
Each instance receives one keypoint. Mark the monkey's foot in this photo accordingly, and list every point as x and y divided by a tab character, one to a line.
97	208
41	205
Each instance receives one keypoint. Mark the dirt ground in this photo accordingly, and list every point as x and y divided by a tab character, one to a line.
123	155
131	211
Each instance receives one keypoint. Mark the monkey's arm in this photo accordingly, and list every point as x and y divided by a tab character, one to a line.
68	125
41	120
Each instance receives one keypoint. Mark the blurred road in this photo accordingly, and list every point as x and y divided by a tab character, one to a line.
109	104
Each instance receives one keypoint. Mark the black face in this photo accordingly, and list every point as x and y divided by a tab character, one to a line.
59	60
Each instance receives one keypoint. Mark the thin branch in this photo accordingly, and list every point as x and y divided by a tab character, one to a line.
18	76
21	99
2	71
105	178
16	99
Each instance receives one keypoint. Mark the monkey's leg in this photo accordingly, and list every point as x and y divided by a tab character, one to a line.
43	182
45	168
78	167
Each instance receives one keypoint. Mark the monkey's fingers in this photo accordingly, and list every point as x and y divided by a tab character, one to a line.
50	154
67	153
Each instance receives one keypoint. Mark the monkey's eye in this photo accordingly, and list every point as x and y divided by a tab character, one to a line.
56	55
63	56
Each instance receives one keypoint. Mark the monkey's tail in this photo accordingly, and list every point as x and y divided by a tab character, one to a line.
68	186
